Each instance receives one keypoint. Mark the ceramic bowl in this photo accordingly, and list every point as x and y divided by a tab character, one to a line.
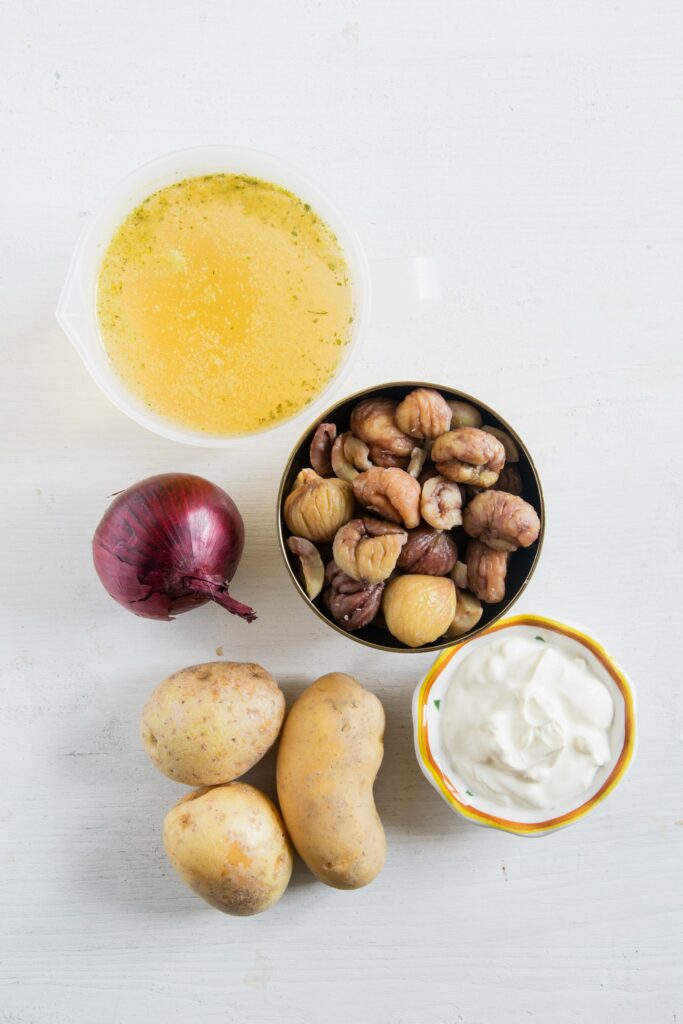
522	564
434	760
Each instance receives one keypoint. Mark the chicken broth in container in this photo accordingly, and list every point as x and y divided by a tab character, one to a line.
224	303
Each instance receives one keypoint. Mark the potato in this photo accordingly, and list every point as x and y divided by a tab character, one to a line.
228	843
330	753
211	723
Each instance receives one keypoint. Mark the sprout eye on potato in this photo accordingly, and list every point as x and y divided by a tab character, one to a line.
432	468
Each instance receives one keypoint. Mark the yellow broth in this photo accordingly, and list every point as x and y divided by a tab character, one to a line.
224	303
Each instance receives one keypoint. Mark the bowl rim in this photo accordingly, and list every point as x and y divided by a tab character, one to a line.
362	393
439	779
77	315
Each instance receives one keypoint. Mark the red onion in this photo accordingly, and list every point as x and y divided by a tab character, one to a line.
169	544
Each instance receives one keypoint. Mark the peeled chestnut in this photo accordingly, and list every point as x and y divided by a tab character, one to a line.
441	503
501	520
510	446
349	456
423	413
469	456
459	575
391	493
463	414
310	564
419	609
320	451
428	551
468	612
510	480
367	549
486	571
351	604
387	460
317	506
373	421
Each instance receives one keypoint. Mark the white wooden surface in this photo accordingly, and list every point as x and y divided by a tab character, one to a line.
533	151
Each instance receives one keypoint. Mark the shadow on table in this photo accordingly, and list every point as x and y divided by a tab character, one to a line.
405	800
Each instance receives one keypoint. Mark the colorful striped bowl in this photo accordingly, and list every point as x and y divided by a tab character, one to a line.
434	760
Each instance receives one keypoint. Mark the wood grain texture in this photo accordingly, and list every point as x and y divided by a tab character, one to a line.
532	154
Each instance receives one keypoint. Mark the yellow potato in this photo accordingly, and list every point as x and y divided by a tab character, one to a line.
329	756
211	723
228	843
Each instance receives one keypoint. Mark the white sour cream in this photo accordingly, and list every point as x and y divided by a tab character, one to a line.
525	723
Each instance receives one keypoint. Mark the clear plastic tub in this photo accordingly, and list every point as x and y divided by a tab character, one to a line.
77	307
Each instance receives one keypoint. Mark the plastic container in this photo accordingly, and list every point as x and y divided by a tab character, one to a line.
77	312
434	761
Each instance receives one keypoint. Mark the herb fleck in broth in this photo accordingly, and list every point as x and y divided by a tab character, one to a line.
224	303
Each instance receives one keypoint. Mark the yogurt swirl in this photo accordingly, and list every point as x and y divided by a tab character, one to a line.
525	723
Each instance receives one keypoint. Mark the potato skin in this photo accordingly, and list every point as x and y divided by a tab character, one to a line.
209	724
228	843
329	755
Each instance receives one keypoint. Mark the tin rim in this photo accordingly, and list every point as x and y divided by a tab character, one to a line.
452	393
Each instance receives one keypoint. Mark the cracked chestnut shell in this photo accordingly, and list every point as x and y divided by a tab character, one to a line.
428	551
351	604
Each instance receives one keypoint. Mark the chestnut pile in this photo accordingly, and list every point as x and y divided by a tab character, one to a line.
381	502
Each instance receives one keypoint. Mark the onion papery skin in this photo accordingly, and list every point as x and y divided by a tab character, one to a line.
169	544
